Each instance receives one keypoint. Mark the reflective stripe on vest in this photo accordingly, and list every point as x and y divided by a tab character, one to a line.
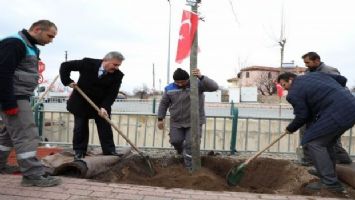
5	148
26	155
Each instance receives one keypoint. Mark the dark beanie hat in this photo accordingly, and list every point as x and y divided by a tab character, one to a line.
180	74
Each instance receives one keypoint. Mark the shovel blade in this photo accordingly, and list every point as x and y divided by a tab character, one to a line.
235	174
149	166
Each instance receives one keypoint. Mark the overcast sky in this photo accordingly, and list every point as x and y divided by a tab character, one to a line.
234	34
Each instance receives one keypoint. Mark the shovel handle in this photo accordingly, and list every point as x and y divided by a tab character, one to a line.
47	89
105	117
261	151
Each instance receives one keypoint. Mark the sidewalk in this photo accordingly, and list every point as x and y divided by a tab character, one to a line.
83	189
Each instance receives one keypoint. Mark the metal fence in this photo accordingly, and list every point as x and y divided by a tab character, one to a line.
221	133
140	128
212	109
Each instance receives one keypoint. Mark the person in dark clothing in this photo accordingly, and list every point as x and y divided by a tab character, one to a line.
100	80
322	101
19	58
313	62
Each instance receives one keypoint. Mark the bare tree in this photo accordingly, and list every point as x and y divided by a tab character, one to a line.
265	84
141	92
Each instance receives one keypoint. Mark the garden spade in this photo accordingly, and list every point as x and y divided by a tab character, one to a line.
236	174
147	161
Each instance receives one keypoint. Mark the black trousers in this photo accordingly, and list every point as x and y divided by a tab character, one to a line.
81	134
341	155
323	155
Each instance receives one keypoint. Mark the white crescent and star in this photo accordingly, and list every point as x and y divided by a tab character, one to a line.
188	22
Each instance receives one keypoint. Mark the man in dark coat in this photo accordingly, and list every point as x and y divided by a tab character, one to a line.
313	62
322	101
100	80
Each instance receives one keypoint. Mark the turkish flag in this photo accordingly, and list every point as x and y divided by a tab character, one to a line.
186	35
280	90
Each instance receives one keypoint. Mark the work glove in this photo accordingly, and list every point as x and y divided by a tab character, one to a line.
288	132
11	111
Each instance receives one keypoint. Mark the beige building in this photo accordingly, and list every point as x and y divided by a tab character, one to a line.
262	77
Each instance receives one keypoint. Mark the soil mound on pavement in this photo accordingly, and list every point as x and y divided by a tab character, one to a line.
263	175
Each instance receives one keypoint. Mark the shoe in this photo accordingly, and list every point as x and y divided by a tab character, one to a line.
314	172
79	155
344	162
40	181
306	163
112	154
336	187
10	169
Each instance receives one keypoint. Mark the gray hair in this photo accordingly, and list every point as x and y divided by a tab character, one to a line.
114	55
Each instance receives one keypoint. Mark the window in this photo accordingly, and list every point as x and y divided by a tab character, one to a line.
247	75
269	75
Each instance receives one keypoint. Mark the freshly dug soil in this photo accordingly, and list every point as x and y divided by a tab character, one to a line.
263	175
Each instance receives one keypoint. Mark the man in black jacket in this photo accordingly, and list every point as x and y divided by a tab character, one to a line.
19	57
313	62
322	101
100	80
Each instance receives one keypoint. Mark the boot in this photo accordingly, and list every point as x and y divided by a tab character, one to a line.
10	169
79	155
335	187
4	168
40	181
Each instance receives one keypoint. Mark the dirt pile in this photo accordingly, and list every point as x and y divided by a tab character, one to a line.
263	175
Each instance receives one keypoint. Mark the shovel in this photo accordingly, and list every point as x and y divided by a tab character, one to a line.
47	89
235	174
146	158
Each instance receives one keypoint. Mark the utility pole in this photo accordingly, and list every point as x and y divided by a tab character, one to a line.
195	121
282	41
282	44
159	85
153	78
168	65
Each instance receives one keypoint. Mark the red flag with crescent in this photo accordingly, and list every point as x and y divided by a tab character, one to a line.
187	32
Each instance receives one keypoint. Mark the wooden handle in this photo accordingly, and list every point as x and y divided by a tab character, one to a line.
261	151
105	117
47	89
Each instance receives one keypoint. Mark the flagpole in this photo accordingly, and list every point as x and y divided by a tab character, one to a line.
195	121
